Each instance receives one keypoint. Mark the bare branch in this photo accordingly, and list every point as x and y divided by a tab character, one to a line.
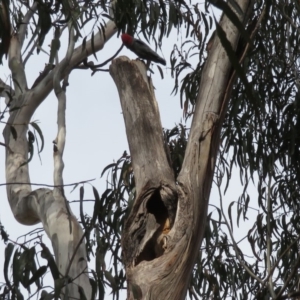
45	86
61	113
16	66
45	184
90	65
30	52
99	41
23	27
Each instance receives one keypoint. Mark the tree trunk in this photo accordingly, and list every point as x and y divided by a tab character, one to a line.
44	205
164	230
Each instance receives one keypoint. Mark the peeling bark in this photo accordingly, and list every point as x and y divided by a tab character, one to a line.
159	250
46	206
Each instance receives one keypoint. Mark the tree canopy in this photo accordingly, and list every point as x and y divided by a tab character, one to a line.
252	52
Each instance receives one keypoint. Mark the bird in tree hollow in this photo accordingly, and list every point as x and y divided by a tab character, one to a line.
141	49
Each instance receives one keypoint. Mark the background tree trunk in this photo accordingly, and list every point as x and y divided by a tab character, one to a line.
44	205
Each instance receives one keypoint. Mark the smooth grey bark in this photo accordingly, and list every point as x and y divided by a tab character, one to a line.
165	228
44	205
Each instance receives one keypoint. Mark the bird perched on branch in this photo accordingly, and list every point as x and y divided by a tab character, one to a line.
141	49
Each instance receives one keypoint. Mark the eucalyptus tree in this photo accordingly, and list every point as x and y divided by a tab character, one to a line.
242	96
50	207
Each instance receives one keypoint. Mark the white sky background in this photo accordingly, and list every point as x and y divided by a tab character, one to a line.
95	133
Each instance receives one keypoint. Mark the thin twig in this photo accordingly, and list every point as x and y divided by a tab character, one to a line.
30	52
47	185
25	22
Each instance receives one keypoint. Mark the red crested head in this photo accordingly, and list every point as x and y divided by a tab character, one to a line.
127	39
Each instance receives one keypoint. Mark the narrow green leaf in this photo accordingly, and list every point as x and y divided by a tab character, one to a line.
98	203
229	214
81	195
37	275
46	296
16	268
111	280
7	255
19	295
107	167
172	12
94	288
39	131
44	23
160	71
46	254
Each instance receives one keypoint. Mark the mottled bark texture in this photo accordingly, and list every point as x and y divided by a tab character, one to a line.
165	227
44	205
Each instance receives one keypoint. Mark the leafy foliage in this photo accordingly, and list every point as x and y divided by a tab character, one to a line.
148	17
5	28
176	140
260	140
